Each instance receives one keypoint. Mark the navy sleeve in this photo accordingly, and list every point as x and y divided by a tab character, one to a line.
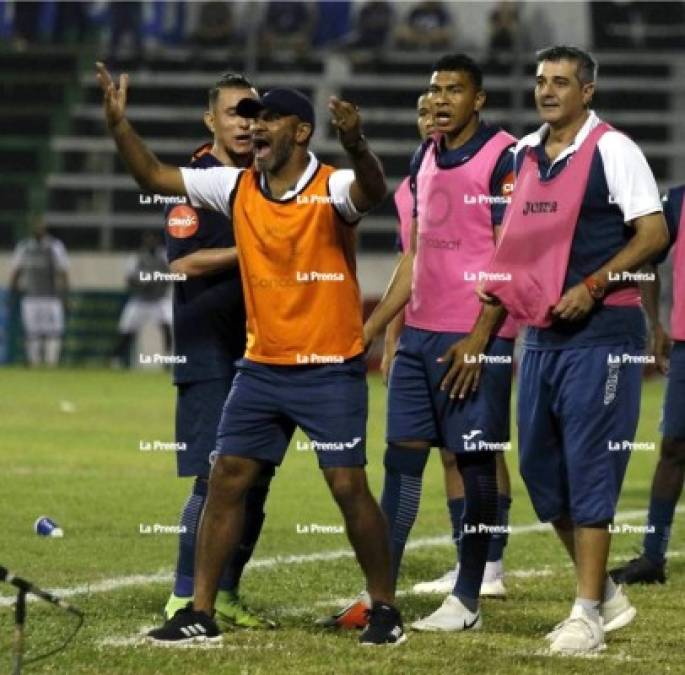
501	184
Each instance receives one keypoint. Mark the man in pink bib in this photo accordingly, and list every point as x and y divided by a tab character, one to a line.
585	215
461	174
667	484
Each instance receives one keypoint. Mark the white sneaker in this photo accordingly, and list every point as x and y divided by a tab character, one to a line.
493	588
442	585
450	616
617	612
579	634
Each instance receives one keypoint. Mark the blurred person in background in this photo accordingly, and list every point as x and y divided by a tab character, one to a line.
26	23
149	300
126	20
427	26
40	268
507	33
215	26
287	29
372	25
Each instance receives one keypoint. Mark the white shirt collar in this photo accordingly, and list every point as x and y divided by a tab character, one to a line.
301	183
538	137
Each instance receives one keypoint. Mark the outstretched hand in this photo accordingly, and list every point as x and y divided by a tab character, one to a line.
114	97
346	119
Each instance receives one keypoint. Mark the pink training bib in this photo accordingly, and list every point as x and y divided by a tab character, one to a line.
404	203
455	240
678	311
528	269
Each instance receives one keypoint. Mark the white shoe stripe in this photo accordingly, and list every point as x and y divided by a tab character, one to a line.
185	631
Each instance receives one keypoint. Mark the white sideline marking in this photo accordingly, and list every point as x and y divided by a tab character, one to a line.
139	640
133	580
603	655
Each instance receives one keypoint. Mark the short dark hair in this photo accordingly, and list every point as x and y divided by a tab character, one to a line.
228	81
586	65
463	63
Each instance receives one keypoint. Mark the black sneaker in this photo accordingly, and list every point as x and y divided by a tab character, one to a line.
185	628
384	627
640	571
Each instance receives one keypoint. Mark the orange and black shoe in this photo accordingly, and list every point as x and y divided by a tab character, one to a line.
354	615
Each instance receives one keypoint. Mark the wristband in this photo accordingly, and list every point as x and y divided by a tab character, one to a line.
357	147
595	286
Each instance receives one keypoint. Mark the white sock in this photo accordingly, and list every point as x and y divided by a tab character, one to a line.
590	607
493	570
34	351
610	588
53	347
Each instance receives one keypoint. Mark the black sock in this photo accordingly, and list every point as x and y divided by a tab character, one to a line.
478	472
401	496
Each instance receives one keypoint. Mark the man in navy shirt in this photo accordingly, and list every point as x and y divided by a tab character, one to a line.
667	484
209	336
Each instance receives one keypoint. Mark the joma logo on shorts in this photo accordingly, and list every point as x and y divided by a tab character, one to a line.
539	207
611	384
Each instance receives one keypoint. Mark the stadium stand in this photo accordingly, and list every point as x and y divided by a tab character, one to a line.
37	89
94	204
57	159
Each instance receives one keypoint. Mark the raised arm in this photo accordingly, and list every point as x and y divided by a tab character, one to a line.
151	174
206	261
369	186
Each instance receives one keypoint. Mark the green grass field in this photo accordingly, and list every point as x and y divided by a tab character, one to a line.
70	450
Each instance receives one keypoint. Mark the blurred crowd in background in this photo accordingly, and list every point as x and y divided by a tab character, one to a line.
140	28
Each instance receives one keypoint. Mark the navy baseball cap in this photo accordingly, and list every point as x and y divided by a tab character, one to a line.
282	101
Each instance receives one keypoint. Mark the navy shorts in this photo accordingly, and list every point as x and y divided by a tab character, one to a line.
198	411
419	410
674	405
266	403
577	417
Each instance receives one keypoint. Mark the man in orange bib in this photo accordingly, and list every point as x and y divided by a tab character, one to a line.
294	220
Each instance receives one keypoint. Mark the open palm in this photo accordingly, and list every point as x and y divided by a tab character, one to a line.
114	97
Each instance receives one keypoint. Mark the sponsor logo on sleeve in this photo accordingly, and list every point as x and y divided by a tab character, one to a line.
182	221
